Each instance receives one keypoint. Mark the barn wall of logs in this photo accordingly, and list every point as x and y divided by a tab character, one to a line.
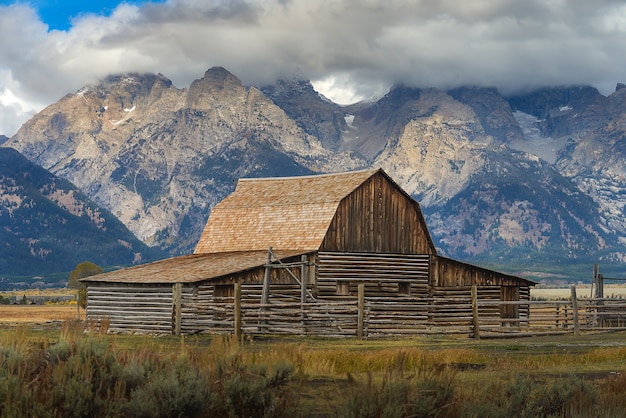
401	295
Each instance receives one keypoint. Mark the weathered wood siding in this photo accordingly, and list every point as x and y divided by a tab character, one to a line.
378	217
396	288
451	273
129	308
383	274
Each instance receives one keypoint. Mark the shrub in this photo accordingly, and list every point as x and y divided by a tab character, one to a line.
427	393
524	397
177	391
254	391
86	376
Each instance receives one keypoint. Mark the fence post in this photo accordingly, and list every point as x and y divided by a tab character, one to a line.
237	322
303	283
575	311
265	294
361	311
176	299
475	313
78	305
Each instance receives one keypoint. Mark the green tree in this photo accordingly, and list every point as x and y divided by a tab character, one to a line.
82	270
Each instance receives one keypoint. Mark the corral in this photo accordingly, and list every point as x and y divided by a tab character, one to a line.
345	254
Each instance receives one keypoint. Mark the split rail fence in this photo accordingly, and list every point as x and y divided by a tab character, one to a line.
475	316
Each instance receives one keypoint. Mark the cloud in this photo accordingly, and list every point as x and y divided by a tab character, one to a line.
350	48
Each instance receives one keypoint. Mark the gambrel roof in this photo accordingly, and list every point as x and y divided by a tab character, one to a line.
285	212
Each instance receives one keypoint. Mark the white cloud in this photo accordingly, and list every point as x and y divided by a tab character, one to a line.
351	48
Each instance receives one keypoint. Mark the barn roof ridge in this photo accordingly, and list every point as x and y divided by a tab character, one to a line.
311	176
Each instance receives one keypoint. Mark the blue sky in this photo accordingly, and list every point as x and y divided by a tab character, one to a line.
349	49
58	13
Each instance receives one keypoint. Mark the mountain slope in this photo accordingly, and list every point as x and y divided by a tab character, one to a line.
160	157
315	114
526	210
588	131
48	225
483	199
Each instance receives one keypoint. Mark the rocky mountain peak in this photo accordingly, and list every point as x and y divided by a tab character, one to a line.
291	89
494	112
216	84
383	123
313	113
160	157
564	110
542	102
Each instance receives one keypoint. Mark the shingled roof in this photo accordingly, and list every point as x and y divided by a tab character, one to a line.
190	268
284	213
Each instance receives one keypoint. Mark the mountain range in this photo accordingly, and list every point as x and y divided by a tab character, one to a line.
48	225
530	182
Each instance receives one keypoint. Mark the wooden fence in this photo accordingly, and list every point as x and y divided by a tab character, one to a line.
476	312
379	317
555	317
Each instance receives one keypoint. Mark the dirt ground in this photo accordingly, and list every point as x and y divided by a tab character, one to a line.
23	314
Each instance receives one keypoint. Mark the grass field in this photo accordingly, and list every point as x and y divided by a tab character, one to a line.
575	376
581	375
582	291
24	314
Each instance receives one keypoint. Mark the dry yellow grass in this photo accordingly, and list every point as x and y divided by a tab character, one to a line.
582	291
38	313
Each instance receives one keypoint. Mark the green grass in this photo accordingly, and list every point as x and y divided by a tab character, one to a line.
67	372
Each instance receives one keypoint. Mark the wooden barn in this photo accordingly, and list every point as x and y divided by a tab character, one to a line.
335	254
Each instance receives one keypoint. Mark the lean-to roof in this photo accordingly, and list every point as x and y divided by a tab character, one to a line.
190	268
284	213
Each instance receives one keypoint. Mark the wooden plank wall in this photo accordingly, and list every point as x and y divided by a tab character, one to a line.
389	309
381	274
130	308
455	273
378	217
399	300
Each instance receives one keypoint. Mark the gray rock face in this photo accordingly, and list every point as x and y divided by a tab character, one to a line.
524	176
160	157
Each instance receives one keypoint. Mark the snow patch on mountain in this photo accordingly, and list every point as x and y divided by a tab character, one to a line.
534	142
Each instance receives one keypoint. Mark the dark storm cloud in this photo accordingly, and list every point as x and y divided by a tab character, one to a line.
351	48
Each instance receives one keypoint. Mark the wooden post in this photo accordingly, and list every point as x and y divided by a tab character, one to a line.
433	283
265	296
176	304
237	323
558	313
303	282
599	279
475	313
361	311
575	311
78	305
596	281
